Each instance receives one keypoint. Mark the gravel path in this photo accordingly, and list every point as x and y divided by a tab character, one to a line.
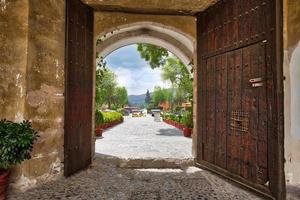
141	137
109	182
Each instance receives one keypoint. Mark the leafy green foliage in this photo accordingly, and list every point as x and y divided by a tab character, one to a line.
173	117
105	117
107	91
105	87
16	142
187	119
160	95
156	56
120	97
112	116
99	119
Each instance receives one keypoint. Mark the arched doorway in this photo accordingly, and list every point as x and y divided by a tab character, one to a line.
218	41
174	40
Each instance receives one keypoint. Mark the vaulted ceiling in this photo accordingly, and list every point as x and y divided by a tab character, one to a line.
174	7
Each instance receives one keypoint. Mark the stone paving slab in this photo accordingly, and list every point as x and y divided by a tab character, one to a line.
142	137
105	181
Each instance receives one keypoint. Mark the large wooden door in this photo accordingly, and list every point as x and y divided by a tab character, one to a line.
78	87
240	93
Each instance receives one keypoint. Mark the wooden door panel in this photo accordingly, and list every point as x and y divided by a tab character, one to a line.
79	87
238	56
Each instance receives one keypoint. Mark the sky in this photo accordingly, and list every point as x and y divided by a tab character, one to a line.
133	72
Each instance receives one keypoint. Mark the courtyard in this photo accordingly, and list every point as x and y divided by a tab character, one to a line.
142	137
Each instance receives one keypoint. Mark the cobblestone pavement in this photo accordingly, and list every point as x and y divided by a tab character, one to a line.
143	138
109	182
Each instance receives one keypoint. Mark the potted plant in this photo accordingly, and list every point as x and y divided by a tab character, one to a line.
187	121
16	143
99	120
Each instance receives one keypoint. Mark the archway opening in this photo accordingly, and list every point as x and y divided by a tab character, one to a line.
177	43
152	89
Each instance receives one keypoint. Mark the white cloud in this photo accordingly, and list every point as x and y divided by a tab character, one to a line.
138	80
133	72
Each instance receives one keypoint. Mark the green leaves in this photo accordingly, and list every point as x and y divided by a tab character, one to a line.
105	117
160	95
156	56
99	118
16	142
187	119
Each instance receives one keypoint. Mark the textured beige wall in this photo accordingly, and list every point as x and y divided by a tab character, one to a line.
292	89
157	6
106	21
13	58
32	47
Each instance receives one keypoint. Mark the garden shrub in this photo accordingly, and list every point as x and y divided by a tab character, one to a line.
99	119
187	119
105	117
112	116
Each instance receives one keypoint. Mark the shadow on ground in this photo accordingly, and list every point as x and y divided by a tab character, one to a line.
104	180
169	132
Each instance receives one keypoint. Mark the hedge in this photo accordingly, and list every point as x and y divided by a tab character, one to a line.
105	117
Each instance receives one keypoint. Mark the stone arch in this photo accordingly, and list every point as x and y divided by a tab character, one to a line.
175	41
295	92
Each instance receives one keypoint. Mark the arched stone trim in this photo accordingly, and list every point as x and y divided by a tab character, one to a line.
295	93
180	44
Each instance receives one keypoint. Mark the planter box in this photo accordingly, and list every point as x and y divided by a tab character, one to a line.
110	124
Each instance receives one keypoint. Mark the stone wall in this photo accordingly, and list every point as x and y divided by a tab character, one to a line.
13	53
292	89
32	50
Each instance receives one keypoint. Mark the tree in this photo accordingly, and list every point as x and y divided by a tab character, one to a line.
120	98
105	87
156	56
100	70
160	95
177	73
148	97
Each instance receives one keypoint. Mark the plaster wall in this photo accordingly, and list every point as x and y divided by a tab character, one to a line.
107	21
32	80
13	54
292	90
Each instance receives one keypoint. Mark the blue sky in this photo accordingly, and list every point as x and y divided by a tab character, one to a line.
132	71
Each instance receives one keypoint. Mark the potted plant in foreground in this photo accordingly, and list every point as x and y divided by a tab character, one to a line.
16	143
187	121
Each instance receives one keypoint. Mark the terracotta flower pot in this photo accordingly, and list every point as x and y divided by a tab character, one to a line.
181	126
187	132
4	180
98	132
